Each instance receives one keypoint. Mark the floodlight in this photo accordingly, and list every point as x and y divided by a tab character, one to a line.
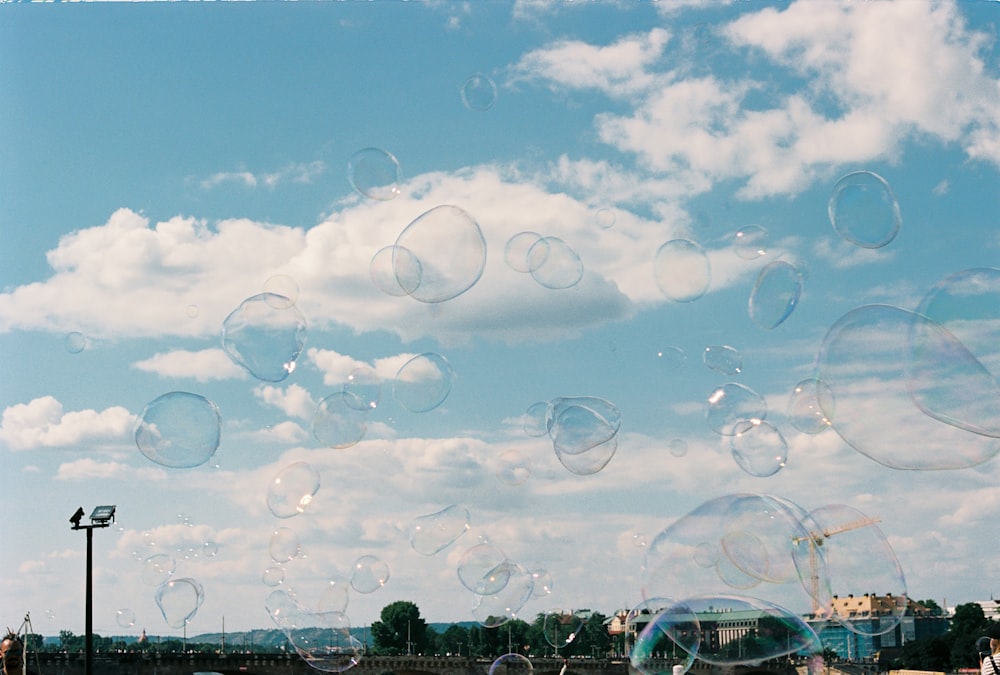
75	518
103	515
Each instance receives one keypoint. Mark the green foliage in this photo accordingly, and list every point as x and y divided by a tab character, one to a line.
401	630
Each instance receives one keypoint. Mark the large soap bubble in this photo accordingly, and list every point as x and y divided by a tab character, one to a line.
478	569
858	555
682	270
445	254
179	600
374	173
871	397
759	448
265	335
364	387
323	639
750	242
423	382
369	574
584	432
340	421
775	294
662	626
434	532
179	430
731	405
864	211
497	608
291	491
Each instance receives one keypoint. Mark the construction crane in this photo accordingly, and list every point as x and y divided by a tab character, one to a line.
815	540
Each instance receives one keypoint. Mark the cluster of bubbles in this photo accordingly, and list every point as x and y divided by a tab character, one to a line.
322	638
583	430
765	556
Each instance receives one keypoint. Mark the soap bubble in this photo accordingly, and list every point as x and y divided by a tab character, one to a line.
383	273
179	430
864	211
75	342
291	491
605	218
374	173
775	294
284	545
513	467
535	419
759	448
179	600
369	574
511	664
954	355
560	627
681	270
584	432
478	566
554	264
209	549
423	382
732	403
541	583
281	291
273	576
858	555
157	568
516	251
678	447
434	532
334	597
444	250
340	421
265	335
125	618
323	639
866	363
497	608
479	93
364	388
661	626
723	359
750	242
804	411
672	359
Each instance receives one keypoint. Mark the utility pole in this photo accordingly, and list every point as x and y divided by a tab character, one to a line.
102	516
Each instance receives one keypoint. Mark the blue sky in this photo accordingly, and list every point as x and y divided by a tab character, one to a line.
163	163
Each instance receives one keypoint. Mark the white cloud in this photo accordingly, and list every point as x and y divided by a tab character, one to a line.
292	173
204	365
44	423
89	469
294	400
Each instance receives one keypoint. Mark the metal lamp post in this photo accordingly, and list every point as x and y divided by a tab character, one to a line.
102	516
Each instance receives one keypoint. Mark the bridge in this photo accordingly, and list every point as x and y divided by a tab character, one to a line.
291	664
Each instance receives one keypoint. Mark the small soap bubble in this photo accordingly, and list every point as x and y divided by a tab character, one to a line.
125	618
535	419
732	403
681	270
495	609
864	211
281	291
340	421
179	430
364	388
476	565
192	311
605	218
750	242
284	545
265	336
513	467
383	271
369	574
516	251
432	533
374	173
561	627
273	576
445	254
423	382
672	359
723	359
759	448
179	600
554	264
75	342
292	490
209	549
804	411
678	447
479	92
334	597
775	294
542	583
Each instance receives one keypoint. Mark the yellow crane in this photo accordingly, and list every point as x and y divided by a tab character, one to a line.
815	540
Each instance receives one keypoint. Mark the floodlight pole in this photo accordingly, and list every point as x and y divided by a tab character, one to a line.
104	520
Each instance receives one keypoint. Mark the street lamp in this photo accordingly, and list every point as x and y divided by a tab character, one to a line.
102	516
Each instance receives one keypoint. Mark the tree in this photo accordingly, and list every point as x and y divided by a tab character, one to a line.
967	626
454	640
401	630
935	608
